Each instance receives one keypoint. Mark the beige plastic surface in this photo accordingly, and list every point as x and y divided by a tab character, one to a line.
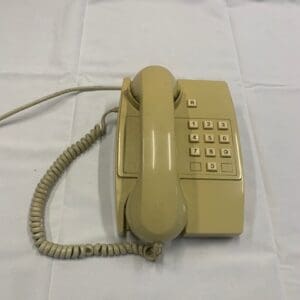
178	163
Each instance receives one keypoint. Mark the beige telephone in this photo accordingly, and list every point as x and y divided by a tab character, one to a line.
178	169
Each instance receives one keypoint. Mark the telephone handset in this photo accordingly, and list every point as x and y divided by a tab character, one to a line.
155	208
178	169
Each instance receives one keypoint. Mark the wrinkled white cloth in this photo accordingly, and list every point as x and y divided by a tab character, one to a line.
50	45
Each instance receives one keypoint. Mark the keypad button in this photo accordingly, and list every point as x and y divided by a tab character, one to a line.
195	166
211	167
225	152
210	152
194	151
194	138
208	124
209	138
227	168
193	124
191	103
224	138
223	125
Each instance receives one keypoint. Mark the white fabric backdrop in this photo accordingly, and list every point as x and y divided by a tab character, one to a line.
50	45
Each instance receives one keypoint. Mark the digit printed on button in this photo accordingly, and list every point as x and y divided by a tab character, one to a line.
211	167
194	151
225	152
210	152
224	139
209	138
193	124
222	125
208	124
194	138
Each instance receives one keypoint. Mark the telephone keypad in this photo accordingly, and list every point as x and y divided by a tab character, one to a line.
214	149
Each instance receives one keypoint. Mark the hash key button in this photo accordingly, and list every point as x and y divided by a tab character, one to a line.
227	168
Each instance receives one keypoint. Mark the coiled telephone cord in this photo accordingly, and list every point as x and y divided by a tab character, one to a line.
39	200
53	174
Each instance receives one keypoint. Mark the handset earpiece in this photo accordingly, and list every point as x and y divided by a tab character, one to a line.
136	86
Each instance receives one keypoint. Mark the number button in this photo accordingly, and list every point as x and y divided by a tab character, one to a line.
193	124
225	152
194	138
211	167
210	152
222	125
207	124
209	138
224	139
194	151
191	103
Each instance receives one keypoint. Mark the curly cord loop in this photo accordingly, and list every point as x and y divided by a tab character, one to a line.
41	195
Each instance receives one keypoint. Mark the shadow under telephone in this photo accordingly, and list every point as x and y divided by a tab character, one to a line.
178	169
